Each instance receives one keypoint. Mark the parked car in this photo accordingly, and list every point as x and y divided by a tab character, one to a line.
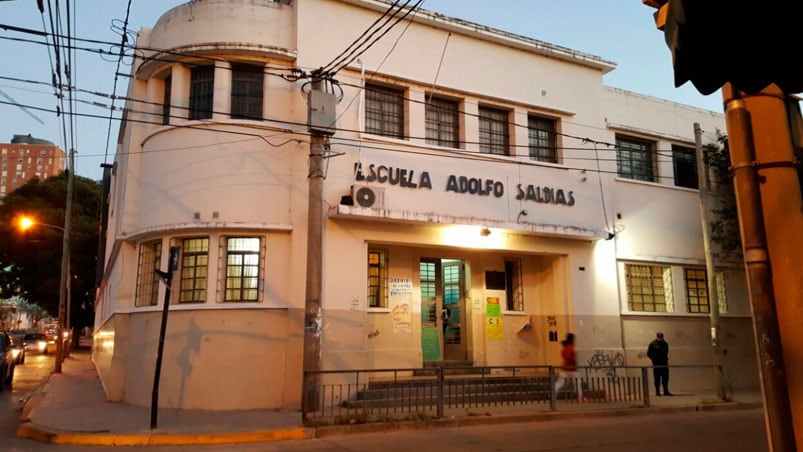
39	343
8	361
18	348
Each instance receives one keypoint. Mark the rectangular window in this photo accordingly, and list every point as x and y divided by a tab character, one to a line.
684	163
649	287
246	91
494	133
722	293
696	290
242	269
377	278
541	139
514	287
635	159
166	100
202	87
384	111
442	124
194	270
150	257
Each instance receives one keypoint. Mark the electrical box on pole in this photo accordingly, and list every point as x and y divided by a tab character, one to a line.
321	112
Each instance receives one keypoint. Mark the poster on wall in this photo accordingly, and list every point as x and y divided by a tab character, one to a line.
493	313
402	318
400	286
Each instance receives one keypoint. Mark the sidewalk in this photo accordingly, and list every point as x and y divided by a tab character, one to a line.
70	408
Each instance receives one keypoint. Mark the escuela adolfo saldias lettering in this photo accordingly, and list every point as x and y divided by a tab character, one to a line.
410	178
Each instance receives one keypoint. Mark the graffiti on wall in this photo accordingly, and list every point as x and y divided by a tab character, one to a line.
606	361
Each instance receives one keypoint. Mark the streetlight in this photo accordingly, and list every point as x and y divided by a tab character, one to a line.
26	223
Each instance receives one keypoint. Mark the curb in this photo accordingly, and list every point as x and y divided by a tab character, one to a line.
29	430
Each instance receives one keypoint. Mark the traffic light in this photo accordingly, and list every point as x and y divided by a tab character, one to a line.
749	43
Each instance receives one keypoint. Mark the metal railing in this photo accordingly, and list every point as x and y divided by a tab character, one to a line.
371	395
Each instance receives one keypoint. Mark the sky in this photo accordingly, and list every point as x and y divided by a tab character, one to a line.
621	31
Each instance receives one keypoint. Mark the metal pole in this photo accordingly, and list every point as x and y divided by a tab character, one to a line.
711	283
65	263
167	277
777	414
314	286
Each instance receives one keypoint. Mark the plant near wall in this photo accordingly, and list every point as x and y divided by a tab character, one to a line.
725	225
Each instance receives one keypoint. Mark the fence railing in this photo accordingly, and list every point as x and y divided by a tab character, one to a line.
370	395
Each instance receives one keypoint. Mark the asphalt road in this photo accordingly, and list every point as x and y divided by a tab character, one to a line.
731	431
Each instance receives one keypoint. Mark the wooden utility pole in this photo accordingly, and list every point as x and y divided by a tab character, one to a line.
711	282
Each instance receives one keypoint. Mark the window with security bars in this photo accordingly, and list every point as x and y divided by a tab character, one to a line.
242	268
384	111
541	139
194	270
649	287
684	166
377	278
166	100
696	290
150	256
494	132
635	159
202	86
246	91
513	286
442	123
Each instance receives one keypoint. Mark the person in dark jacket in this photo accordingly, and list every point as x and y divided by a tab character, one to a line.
658	352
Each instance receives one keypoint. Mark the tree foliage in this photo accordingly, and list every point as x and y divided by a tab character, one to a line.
725	226
34	256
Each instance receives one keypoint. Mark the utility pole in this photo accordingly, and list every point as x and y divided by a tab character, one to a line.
167	278
321	117
762	283
65	265
711	282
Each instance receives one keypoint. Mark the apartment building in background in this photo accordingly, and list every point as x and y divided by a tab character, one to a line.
26	157
484	194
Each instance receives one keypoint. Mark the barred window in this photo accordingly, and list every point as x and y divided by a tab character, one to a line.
242	269
541	139
166	100
384	111
494	133
442	124
513	286
150	257
194	270
202	86
246	91
635	159
377	278
649	288
684	165
696	290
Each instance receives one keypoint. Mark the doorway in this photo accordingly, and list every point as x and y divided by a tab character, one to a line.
443	315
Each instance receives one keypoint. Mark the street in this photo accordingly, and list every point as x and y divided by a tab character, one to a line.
738	430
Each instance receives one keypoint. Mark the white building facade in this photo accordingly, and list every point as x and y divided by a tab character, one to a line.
484	194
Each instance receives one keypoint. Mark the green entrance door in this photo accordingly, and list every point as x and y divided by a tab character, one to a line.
442	285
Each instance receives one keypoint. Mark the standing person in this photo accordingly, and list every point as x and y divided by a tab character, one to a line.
569	368
658	352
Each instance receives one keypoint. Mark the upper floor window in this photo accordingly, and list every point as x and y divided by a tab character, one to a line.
442	124
649	287
541	139
246	91
166	100
194	270
150	257
243	257
384	111
494	133
202	86
684	164
635	158
377	278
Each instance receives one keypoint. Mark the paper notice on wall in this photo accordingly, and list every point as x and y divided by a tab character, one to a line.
402	318
493	319
400	286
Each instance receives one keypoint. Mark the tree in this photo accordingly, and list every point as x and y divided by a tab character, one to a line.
36	253
725	226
